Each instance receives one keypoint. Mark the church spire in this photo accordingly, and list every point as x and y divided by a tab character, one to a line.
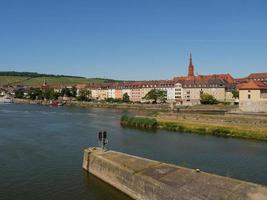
191	66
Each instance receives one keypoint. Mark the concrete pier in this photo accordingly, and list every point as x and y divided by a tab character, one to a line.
145	179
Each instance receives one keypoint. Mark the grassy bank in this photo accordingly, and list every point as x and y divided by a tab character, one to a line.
203	129
139	122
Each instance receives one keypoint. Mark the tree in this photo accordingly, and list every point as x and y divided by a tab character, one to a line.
126	98
85	95
50	94
235	94
73	92
206	98
36	94
156	95
19	94
69	92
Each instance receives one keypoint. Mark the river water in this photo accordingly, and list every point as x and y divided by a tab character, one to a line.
41	151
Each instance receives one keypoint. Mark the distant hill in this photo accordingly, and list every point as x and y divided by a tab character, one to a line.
33	74
32	78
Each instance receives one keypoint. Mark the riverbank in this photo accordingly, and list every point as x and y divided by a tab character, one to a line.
212	109
245	127
128	106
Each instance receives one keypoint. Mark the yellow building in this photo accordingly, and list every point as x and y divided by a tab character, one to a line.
253	96
192	89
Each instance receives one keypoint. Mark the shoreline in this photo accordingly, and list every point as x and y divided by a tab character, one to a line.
226	124
188	126
205	109
148	107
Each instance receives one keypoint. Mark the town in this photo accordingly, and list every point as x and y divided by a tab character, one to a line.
249	92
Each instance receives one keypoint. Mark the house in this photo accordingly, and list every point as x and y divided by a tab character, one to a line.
253	96
192	90
258	77
254	76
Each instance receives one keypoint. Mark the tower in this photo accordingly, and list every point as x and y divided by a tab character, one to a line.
190	67
44	83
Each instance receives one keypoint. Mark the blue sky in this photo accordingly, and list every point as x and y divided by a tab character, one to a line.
133	39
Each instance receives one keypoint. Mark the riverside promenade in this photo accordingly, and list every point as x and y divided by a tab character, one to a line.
144	179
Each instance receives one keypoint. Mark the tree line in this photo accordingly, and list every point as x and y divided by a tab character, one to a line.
33	74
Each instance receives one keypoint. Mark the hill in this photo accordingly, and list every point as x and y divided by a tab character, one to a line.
30	78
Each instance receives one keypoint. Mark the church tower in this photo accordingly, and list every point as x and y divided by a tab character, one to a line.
190	67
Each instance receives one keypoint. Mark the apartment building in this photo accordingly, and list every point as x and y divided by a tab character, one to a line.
192	90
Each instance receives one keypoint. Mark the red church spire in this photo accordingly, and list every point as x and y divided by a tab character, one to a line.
190	67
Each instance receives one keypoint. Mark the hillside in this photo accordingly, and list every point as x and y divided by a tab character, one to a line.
29	78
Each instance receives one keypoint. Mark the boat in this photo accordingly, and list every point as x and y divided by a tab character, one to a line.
55	103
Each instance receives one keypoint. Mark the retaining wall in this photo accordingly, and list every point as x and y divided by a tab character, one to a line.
253	106
144	179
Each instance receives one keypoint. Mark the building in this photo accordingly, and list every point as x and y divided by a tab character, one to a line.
192	90
192	86
111	93
254	76
191	76
253	96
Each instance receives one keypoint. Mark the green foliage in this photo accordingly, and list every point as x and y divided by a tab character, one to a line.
235	94
139	122
69	92
126	98
156	95
85	95
33	74
31	78
213	130
49	94
207	99
19	94
35	94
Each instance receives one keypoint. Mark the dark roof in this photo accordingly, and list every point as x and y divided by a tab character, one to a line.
210	83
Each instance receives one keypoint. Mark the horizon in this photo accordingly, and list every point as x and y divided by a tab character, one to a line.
140	40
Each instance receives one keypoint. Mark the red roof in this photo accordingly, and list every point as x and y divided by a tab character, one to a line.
257	75
225	77
252	85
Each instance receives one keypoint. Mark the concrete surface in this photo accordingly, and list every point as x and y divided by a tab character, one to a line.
145	179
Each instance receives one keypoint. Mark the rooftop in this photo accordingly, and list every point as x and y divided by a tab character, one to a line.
252	85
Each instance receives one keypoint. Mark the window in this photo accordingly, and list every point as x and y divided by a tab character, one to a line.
263	94
249	96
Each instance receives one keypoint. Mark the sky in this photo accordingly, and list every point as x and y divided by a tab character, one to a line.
133	39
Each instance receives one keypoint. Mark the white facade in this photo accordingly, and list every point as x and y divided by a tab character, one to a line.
111	93
95	93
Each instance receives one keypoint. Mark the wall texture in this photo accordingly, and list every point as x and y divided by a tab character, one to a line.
144	179
253	106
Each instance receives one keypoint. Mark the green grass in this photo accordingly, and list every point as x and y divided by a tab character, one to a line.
149	123
139	122
215	130
22	80
7	80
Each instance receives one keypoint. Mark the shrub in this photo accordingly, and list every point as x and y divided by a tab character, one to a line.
141	122
206	98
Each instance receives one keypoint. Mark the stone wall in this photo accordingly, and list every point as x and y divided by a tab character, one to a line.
144	179
253	106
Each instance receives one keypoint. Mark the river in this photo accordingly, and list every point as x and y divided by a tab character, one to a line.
41	151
